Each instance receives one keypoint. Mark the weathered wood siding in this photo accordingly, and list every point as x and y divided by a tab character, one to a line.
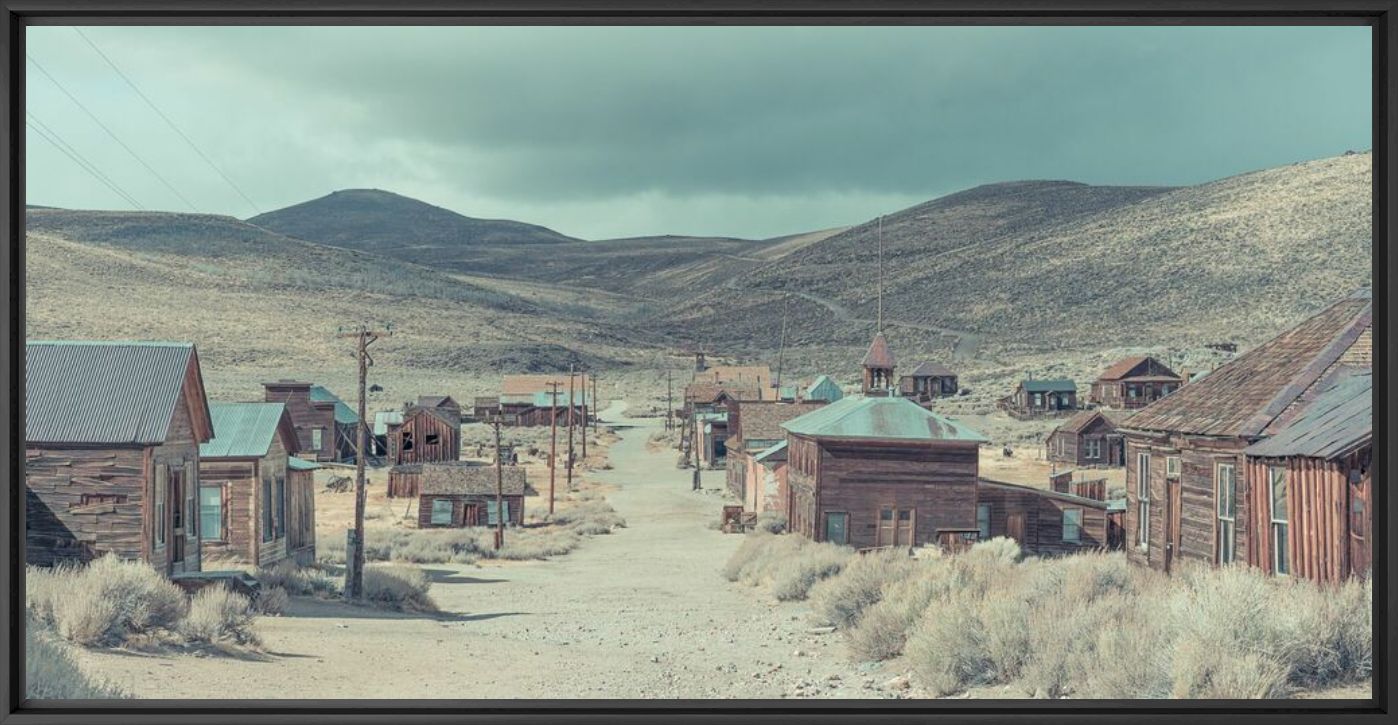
403	484
1196	487
179	452
240	505
84	502
465	507
1043	519
306	416
422	428
301	516
271	470
1321	515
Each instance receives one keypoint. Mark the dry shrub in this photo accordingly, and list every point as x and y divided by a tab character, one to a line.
522	544
106	601
788	565
217	614
398	586
882	631
947	647
51	673
272	600
300	581
770	522
435	546
843	599
758	554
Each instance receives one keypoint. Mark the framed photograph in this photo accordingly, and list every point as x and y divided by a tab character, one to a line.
457	361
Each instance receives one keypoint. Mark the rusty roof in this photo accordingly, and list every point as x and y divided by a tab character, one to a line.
1123	368
878	356
1335	423
755	374
1245	395
464	479
1081	421
109	392
762	420
437	401
930	370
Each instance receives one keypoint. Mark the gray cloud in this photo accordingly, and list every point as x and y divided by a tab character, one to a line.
739	131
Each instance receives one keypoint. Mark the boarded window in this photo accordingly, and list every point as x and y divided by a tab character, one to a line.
1143	499
837	528
268	525
1172	466
92	499
211	512
1226	479
1281	560
983	520
441	512
1072	525
491	517
407	440
432	439
162	484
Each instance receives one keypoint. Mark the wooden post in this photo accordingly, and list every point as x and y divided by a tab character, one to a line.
669	401
571	398
583	433
499	490
594	405
354	572
553	440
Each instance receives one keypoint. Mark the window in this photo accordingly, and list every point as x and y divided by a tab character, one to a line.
1226	481
837	527
1172	466
407	440
280	493
1281	562
1094	448
211	512
491	517
432	439
983	520
1038	400
162	485
441	512
1072	525
268	525
317	438
1143	499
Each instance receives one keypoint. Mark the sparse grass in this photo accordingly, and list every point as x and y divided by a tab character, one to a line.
398	586
1082	626
51	673
771	522
105	602
788	565
218	614
300	581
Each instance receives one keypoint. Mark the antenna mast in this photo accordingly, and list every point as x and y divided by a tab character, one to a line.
880	320
781	349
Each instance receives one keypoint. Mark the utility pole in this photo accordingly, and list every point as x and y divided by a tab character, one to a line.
354	573
781	349
669	400
586	410
499	490
571	398
553	440
595	415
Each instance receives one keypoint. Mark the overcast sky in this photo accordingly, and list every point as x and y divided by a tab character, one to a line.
751	132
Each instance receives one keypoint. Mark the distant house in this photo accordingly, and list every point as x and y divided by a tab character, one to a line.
386	423
926	382
245	485
881	471
326	426
704	421
346	423
1036	398
455	495
443	404
112	436
425	434
1203	486
1044	523
755	381
1089	438
1134	382
531	400
823	388
768	485
753	427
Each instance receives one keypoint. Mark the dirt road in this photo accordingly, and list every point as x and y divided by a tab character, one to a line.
642	613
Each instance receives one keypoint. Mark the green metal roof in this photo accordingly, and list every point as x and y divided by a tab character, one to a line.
1061	385
242	430
301	464
774	450
824	389
344	414
891	417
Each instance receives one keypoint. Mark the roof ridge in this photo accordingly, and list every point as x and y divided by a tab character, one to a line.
1297	385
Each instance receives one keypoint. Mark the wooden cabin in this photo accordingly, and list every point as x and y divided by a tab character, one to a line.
1043	523
483	407
1134	382
1190	491
456	495
753	427
1315	479
927	382
1042	398
112	436
244	486
301	510
531	400
325	425
881	471
823	389
424	435
1089	438
443	404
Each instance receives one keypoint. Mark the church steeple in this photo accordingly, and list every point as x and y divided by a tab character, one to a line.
878	361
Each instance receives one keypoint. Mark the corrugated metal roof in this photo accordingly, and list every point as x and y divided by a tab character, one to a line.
1061	385
344	414
880	418
242	430
103	392
301	464
384	418
1339	419
775	452
824	389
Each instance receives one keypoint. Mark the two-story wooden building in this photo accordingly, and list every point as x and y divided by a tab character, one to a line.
326	426
927	382
1042	398
424	434
1191	493
1134	382
112	436
1088	439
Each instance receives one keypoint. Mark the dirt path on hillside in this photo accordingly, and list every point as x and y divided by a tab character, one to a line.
642	613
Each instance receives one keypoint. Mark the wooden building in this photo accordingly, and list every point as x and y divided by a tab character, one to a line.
1134	382
112	436
1089	438
301	510
753	427
443	404
768	485
385	424
325	425
426	434
881	471
245	487
927	382
823	389
1316	479
455	495
1190	491
531	400
1044	523
1041	398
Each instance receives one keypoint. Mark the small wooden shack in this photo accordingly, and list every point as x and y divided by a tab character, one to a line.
443	404
1041	398
881	471
1191	493
927	382
301	510
424	434
1044	523
112	436
531	400
244	486
1089	438
1134	382
453	495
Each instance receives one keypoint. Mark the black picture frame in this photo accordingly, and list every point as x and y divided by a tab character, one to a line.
15	15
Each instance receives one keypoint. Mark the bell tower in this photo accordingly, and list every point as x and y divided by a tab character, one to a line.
878	361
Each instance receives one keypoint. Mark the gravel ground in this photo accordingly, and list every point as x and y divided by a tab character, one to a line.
642	613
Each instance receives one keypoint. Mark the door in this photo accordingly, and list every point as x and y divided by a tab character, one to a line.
1360	560
1172	521
884	535
1014	526
837	527
177	519
905	527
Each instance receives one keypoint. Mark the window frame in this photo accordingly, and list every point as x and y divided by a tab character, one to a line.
1281	554
1225	520
826	531
983	527
1143	466
268	525
1077	526
162	495
1174	467
222	525
317	438
450	512
1092	448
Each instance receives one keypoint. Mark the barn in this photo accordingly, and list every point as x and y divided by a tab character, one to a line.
112	436
1192	493
245	487
452	495
1088	439
1134	382
425	434
880	471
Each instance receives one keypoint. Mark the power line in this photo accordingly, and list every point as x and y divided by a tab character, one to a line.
52	137
167	120
111	133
